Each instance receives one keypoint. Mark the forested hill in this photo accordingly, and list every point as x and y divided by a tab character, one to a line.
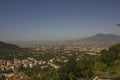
8	48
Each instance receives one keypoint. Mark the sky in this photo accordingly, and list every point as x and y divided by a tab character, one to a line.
27	20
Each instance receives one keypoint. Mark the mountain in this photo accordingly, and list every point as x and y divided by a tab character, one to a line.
8	48
103	37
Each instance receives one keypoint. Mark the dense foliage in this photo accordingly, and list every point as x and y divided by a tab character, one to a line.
74	70
107	65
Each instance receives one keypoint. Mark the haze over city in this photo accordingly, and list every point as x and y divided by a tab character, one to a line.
27	20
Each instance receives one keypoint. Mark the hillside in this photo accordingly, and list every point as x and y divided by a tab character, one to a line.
8	48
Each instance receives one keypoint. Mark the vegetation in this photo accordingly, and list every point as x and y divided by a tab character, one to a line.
6	48
74	70
107	64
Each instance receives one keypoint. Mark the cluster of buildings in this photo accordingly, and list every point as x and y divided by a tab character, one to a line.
15	65
10	68
68	49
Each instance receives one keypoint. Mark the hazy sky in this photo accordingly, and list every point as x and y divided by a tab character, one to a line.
26	20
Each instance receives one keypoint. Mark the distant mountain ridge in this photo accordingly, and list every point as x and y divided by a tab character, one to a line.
103	37
98	37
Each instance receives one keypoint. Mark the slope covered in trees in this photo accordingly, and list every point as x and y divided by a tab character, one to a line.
107	65
8	48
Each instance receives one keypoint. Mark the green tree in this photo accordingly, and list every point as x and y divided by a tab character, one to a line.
109	56
73	70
